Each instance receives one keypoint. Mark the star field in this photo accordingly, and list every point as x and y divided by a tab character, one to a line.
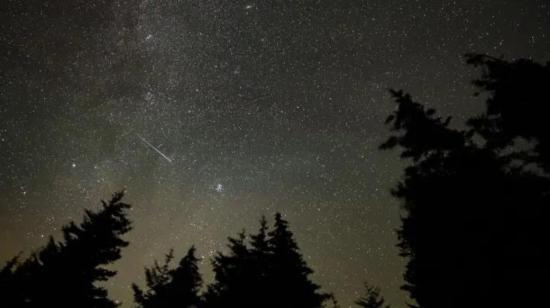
212	113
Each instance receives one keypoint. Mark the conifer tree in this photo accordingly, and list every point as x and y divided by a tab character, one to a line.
372	298
476	199
259	241
260	266
178	287
290	273
66	273
232	276
268	271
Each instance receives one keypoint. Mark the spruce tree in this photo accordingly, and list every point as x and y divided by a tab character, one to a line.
66	273
259	241
260	266
166	287
232	274
266	271
372	298
289	273
476	199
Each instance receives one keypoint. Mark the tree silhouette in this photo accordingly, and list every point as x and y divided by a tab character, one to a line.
178	287
476	200
372	298
267	272
64	274
260	265
517	107
290	272
232	276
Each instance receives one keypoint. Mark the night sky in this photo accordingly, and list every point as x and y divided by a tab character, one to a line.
211	113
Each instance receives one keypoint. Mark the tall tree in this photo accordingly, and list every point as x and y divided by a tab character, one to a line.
259	241
517	108
476	199
268	271
372	298
290	273
178	287
260	266
66	273
232	279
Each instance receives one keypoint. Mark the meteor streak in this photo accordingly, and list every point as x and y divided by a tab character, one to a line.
154	148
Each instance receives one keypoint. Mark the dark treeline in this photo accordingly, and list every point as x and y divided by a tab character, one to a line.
264	269
475	204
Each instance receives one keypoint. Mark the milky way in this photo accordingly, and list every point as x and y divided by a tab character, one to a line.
243	109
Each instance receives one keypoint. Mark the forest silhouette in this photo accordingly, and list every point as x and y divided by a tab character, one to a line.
475	201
